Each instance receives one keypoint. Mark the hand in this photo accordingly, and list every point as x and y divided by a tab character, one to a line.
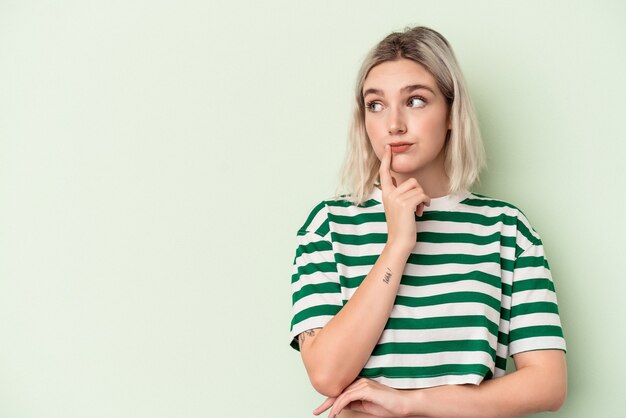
368	396
401	203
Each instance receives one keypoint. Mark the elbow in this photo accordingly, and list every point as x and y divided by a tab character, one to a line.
555	395
326	383
560	393
328	374
558	399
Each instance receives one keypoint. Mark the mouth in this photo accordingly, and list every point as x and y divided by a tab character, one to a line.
398	147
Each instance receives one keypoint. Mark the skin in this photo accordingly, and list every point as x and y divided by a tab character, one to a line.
396	112
538	384
419	115
334	355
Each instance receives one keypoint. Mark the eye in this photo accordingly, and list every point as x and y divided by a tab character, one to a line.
416	101
374	106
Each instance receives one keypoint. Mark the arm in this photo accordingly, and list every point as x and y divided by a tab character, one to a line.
535	340
539	384
334	355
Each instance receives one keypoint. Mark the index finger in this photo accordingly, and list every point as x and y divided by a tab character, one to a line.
385	170
323	407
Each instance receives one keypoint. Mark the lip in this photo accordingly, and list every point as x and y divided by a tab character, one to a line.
398	147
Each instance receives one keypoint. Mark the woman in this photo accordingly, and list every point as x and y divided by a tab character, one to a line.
410	292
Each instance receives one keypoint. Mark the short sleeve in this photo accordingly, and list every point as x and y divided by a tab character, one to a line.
535	323
315	288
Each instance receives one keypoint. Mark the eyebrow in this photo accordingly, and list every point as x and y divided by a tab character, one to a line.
405	89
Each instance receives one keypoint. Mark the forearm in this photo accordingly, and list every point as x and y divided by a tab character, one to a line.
341	349
531	389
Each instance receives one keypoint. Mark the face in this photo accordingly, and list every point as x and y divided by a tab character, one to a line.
405	109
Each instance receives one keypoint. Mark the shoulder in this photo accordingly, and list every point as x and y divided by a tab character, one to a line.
511	216
337	207
317	217
483	201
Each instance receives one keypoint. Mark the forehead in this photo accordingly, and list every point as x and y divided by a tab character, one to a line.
391	76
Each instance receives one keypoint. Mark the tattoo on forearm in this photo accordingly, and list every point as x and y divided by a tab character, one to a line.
303	335
387	276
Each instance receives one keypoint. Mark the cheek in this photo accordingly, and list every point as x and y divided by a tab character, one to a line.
373	133
435	129
375	126
369	128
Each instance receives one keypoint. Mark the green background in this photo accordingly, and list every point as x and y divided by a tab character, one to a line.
157	158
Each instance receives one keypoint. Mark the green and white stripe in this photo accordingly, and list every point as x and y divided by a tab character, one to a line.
476	288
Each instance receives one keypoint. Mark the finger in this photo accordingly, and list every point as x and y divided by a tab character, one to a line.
351	394
386	182
357	395
413	196
356	406
340	404
324	406
416	197
359	383
420	209
356	385
408	184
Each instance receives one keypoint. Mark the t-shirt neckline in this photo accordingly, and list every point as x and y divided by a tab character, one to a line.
443	203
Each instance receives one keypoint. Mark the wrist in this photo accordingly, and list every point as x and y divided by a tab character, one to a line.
399	248
414	403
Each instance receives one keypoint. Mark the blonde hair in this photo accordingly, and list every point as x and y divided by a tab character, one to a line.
465	155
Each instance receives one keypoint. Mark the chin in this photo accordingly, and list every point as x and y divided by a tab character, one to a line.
404	168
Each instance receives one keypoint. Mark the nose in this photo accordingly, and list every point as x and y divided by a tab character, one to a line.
395	123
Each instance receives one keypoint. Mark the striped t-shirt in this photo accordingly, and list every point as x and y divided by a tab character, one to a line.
476	288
